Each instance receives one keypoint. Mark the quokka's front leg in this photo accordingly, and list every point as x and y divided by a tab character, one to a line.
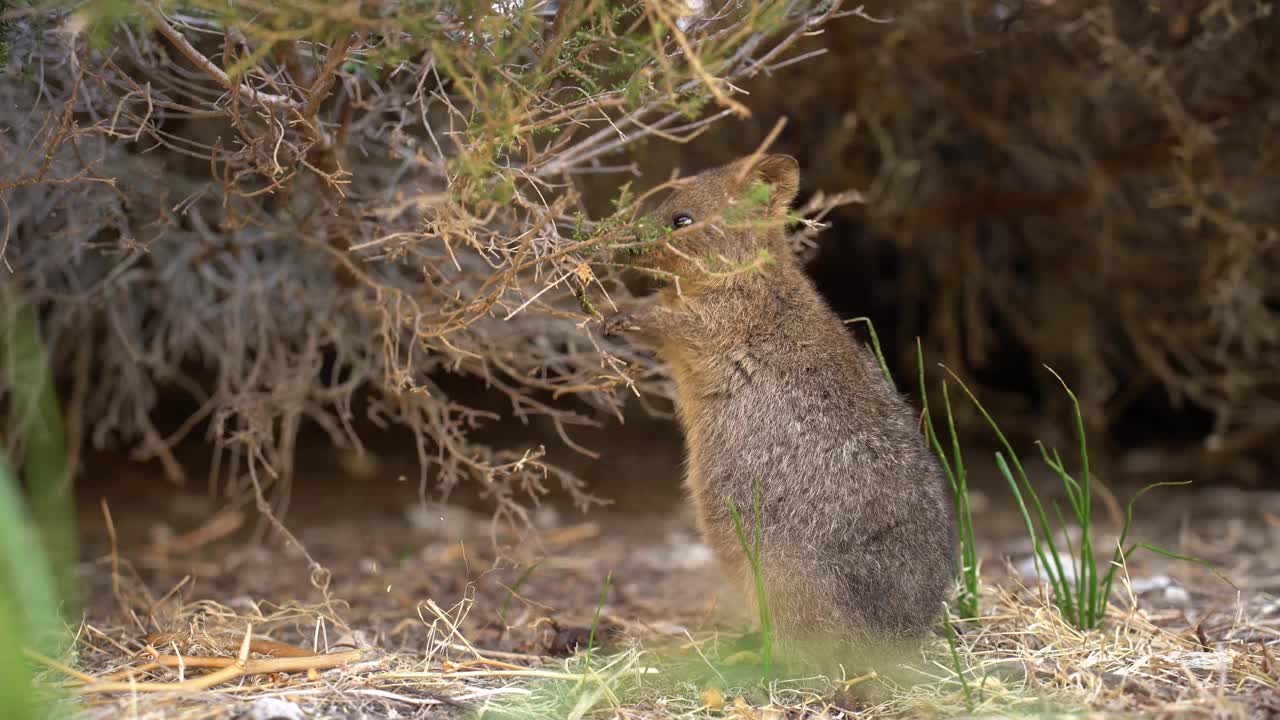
650	322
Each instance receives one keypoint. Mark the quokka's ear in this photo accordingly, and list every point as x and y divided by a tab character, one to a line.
782	173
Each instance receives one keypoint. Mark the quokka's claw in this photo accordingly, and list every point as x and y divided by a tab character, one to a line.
619	323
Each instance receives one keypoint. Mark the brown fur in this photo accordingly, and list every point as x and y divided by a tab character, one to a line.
858	539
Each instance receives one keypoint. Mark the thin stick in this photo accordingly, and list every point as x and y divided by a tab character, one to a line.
232	669
56	665
487	654
695	63
324	82
530	673
115	559
206	65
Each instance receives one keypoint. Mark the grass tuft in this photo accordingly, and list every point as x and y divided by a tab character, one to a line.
1080	592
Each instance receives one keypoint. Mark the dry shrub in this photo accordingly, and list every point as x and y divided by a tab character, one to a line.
277	208
1092	185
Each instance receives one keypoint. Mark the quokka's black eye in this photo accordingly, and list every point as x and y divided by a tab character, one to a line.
681	220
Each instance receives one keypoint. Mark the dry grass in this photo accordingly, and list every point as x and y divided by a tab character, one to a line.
1020	658
1202	649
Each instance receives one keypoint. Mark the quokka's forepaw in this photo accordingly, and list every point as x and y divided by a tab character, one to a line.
618	323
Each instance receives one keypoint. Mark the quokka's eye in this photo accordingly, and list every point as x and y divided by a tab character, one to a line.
681	220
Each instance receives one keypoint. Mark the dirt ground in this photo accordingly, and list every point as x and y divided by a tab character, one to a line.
450	614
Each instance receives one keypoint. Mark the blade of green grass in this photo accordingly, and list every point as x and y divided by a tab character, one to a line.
766	617
1120	553
595	622
968	601
1186	558
956	664
968	551
1071	553
515	587
875	347
1085	568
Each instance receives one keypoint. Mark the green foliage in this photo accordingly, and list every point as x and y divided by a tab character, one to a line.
956	664
595	621
750	207
587	305
1082	597
622	232
647	235
625	199
28	602
602	60
758	195
102	16
692	106
25	368
504	67
37	542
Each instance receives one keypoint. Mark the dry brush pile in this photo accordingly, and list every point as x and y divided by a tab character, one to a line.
1087	184
308	212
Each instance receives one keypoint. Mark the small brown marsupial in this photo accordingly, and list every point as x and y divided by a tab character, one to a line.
857	518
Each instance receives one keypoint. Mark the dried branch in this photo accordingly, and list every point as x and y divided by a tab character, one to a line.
295	232
206	65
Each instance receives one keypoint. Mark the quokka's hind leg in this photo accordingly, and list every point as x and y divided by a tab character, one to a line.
808	621
817	627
